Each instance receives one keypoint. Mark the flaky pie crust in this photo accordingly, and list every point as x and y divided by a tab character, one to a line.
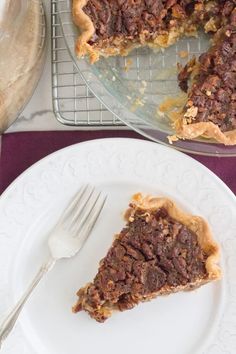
208	130
87	29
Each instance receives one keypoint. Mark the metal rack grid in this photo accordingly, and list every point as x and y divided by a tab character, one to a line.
73	103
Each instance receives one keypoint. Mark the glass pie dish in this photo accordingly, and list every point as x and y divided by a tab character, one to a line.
22	48
135	87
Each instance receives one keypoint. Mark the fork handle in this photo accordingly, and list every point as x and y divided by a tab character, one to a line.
10	320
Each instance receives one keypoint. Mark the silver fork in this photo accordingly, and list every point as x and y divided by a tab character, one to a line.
65	240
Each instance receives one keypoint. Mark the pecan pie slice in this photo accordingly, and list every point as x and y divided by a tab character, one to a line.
161	250
210	110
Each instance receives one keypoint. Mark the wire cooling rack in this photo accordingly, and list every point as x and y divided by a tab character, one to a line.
73	103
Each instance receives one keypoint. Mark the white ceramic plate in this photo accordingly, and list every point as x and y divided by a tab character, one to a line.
203	321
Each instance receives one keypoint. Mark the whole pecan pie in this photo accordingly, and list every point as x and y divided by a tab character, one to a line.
114	27
161	250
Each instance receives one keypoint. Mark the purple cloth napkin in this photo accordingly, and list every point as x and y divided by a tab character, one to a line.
21	150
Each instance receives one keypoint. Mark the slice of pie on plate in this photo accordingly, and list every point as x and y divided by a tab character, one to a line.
161	250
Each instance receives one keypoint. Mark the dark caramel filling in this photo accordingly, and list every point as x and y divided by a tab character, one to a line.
130	18
213	91
151	252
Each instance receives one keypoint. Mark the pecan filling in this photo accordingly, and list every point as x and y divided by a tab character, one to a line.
151	253
130	18
212	97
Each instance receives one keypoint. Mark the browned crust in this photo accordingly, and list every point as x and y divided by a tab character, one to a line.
189	130
195	223
208	130
87	29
